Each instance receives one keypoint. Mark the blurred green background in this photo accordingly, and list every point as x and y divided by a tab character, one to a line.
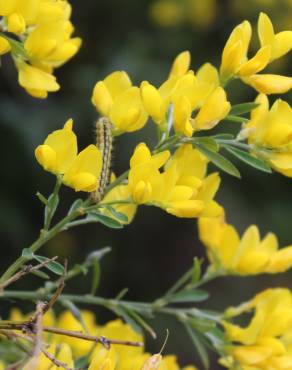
141	37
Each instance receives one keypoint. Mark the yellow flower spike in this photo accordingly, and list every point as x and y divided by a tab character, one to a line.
59	150
246	256
35	81
85	170
106	91
215	108
257	63
269	83
4	46
127	113
235	50
153	102
181	64
280	43
16	23
182	113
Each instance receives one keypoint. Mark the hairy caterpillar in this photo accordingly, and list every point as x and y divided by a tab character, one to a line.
104	142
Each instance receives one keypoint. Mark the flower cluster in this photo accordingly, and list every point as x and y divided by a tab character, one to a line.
248	255
68	349
265	342
59	155
128	107
43	41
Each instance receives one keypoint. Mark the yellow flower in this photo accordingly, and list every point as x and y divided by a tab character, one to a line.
116	98
58	155
235	60
264	342
4	46
215	108
181	189
248	255
36	81
145	181
272	129
280	43
181	64
59	150
16	23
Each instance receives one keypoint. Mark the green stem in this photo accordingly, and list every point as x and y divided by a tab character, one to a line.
234	143
50	208
117	181
44	237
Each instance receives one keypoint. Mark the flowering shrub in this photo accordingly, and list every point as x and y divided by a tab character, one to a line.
174	175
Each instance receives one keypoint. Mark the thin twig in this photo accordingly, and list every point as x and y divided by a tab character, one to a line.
24	271
55	361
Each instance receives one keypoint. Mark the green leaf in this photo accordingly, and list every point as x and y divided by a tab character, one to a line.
219	161
120	216
196	275
40	274
53	266
26	253
249	159
42	198
232	118
141	322
105	220
198	343
120	311
95	276
201	325
75	205
224	137
189	295
239	109
207	142
50	209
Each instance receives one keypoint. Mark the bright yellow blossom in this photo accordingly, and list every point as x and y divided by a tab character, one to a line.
36	81
272	129
181	189
58	155
264	343
181	64
248	255
4	46
46	38
116	98
235	60
280	43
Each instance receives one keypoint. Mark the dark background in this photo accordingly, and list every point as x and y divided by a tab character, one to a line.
150	254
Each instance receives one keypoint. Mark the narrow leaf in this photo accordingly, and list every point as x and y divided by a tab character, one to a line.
75	205
75	312
120	216
105	220
239	109
232	118
40	274
196	270
189	295
249	159
42	198
95	276
202	351
224	137
220	161
53	266
140	321
207	142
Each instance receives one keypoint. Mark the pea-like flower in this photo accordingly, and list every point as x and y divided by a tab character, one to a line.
59	155
181	189
264	343
43	41
246	255
270	129
235	60
117	99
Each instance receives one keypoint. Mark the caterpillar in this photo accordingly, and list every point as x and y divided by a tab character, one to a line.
104	142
